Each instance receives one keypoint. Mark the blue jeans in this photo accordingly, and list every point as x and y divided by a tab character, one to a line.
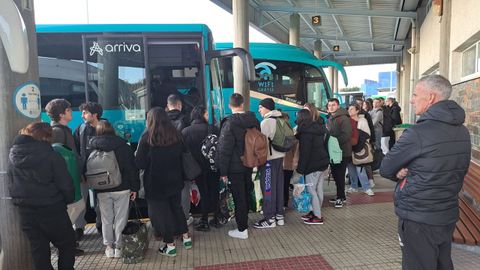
356	173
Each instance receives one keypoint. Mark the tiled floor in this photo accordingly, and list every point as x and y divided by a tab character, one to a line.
361	235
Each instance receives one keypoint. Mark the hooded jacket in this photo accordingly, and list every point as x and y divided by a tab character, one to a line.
436	152
39	175
395	114
178	119
269	127
125	160
341	128
194	135
313	155
231	142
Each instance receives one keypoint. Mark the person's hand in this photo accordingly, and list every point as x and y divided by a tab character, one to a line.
133	196
402	173
224	179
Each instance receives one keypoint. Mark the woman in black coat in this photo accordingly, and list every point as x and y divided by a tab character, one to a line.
208	182
159	153
312	162
41	187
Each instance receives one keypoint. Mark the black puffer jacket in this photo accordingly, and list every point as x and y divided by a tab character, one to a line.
341	128
125	158
194	136
436	152
163	168
395	114
178	119
39	175
313	155
231	142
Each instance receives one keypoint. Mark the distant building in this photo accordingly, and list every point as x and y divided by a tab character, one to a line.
369	87
387	80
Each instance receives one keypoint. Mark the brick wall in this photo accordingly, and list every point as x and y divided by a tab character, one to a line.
467	94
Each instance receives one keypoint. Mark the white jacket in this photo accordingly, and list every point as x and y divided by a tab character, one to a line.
268	127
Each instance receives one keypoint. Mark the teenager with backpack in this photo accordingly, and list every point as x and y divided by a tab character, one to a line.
231	146
159	153
271	174
313	162
60	112
340	127
114	202
194	135
41	188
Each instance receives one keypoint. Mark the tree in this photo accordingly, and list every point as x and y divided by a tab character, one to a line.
351	89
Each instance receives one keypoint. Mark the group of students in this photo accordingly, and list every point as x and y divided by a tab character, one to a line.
42	185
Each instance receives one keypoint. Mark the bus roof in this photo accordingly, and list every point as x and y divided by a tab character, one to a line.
285	52
86	28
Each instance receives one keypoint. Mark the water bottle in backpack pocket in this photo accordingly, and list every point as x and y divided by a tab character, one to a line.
103	171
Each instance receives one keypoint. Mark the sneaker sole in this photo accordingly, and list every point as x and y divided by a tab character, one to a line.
304	218
264	227
168	255
316	223
280	224
238	237
338	206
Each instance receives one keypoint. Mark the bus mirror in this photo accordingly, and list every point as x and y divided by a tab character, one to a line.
13	34
248	67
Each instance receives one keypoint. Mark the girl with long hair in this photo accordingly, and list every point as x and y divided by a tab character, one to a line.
159	153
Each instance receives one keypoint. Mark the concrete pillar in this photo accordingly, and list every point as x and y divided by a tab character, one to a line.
294	30
240	25
317	49
414	68
335	80
445	39
15	247
330	71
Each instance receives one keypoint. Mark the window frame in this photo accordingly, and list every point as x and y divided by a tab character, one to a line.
476	71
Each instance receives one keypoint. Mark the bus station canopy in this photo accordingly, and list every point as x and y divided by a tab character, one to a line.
366	31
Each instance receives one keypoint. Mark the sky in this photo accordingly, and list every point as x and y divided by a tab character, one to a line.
167	11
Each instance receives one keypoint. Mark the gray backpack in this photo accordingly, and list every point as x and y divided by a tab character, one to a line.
102	170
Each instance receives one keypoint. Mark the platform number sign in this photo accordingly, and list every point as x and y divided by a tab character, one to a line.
336	48
27	100
316	20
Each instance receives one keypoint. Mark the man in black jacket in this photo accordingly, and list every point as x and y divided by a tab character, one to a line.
395	116
231	145
175	114
429	162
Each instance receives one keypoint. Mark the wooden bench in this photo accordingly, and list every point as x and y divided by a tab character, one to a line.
467	229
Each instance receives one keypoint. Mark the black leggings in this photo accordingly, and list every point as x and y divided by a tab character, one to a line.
208	185
338	173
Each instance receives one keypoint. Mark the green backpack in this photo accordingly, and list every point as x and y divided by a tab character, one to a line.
334	150
71	160
284	138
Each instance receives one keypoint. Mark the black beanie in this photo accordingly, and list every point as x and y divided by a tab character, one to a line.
268	103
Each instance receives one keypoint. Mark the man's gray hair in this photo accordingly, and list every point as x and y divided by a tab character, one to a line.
438	84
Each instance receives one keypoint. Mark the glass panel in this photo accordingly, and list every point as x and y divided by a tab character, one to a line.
61	69
116	69
478	58
468	61
317	94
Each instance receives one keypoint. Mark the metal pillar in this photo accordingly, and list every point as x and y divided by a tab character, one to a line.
335	80
14	243
330	78
294	30
317	49
413	69
444	67
240	25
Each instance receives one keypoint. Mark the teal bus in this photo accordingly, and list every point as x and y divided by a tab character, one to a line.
131	68
290	75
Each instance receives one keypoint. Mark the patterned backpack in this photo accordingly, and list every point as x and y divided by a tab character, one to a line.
209	150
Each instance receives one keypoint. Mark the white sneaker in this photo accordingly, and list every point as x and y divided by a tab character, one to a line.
369	192
351	190
372	183
238	234
189	221
109	252
280	220
118	253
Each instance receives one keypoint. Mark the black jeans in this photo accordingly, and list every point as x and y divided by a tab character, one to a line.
43	225
208	185
338	173
241	187
287	175
167	216
424	246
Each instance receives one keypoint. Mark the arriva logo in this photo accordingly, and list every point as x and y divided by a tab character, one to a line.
112	48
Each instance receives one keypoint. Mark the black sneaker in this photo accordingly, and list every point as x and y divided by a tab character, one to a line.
202	226
308	216
215	223
314	221
78	233
79	252
265	223
339	203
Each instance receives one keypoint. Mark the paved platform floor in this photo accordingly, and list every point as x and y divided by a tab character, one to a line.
361	235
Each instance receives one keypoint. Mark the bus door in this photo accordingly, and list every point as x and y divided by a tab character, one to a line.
174	67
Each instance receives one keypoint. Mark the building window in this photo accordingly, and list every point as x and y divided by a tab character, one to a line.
470	60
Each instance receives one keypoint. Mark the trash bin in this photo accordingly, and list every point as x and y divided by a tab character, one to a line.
398	129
